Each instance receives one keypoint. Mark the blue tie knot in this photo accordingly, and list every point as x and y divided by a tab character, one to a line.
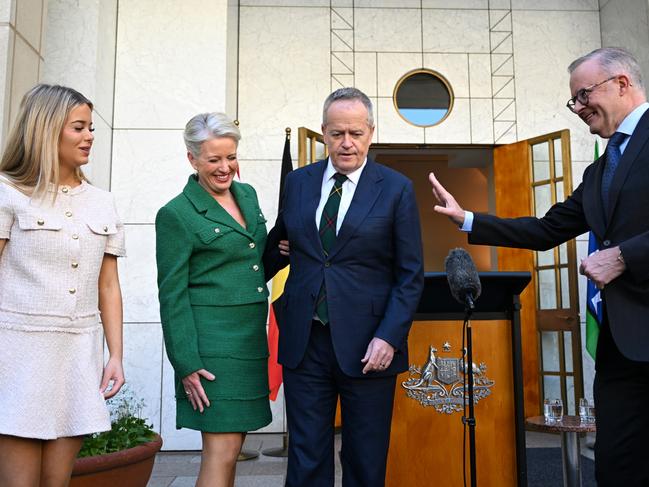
616	140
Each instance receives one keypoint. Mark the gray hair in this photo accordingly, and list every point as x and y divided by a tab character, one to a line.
206	126
613	60
348	94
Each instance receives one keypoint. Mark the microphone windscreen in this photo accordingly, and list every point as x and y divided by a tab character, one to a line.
462	275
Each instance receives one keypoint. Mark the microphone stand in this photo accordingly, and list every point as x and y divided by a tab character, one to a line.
468	310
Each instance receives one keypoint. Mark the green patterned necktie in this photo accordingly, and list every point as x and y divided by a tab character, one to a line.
327	232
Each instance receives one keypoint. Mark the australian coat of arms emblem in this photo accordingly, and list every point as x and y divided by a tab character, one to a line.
440	382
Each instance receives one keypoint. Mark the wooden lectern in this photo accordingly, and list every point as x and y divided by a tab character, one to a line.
426	446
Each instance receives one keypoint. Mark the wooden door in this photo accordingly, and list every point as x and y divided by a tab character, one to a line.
529	177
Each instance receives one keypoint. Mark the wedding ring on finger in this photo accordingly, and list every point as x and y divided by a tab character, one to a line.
188	393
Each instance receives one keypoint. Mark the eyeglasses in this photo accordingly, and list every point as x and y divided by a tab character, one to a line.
582	95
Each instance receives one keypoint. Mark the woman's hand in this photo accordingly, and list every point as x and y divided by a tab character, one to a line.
284	247
113	371
194	390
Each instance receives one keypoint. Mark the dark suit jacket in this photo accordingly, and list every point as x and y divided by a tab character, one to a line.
373	275
626	298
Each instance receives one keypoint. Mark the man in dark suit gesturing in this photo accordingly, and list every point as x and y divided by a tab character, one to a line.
612	202
355	281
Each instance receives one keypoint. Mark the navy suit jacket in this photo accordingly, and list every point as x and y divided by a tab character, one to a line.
373	274
626	299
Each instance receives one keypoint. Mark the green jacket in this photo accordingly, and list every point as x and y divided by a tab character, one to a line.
205	258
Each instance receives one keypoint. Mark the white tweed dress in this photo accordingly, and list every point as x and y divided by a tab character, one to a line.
51	341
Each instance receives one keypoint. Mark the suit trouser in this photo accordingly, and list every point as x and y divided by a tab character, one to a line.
311	392
621	392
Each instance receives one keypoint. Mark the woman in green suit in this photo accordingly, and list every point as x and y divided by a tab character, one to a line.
213	298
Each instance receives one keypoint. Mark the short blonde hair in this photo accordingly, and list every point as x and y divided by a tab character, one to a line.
206	126
31	158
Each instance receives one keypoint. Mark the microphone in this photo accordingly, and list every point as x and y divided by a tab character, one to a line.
462	277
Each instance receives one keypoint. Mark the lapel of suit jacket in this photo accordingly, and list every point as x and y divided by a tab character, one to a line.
247	206
310	198
365	196
634	147
212	210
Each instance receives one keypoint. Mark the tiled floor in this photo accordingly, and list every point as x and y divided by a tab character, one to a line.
179	469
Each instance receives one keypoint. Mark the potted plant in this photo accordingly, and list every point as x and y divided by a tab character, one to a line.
124	455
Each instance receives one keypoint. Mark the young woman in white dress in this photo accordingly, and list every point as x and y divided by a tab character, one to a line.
59	242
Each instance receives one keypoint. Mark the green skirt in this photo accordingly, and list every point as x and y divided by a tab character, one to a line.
233	346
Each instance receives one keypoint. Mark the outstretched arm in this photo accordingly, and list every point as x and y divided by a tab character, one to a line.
447	204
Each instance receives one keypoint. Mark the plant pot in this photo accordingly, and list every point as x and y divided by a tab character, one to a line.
126	468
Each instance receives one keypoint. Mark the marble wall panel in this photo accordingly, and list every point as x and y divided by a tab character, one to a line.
578	167
284	75
441	27
264	177
457	4
288	3
149	168
7	38
232	58
342	21
456	129
98	169
143	366
480	75
106	38
174	439
575	5
84	56
70	59
391	67
626	24
543	48
8	11
388	30
29	18
482	131
365	72
375	104
454	67
385	4
166	74
138	276
500	4
24	74
392	129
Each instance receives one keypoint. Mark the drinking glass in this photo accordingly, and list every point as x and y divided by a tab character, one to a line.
552	410
586	411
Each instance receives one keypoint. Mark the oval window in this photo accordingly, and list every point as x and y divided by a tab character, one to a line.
423	98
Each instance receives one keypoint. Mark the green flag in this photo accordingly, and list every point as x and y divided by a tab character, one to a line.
593	298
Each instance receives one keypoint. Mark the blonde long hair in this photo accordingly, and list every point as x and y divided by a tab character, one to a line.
30	160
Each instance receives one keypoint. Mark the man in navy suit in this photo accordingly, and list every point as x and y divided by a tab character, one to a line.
613	202
355	282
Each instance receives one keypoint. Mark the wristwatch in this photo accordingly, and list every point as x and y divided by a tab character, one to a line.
620	257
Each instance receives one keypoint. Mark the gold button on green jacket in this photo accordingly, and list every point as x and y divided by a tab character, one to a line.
213	305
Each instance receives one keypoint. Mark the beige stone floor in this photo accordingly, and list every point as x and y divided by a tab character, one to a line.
179	469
